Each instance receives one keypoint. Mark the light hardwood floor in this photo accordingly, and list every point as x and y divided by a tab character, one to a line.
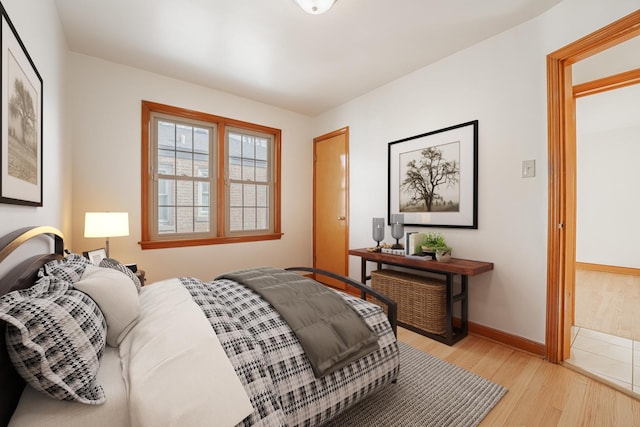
608	303
540	393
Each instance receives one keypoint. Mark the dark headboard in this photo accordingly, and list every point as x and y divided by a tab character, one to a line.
21	276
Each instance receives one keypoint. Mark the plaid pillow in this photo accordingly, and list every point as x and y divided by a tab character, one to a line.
55	339
68	269
115	264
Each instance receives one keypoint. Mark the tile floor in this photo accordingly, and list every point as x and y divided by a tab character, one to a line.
614	359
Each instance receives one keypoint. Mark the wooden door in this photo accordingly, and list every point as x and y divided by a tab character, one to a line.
331	204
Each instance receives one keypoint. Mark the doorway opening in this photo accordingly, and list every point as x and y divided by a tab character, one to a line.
562	177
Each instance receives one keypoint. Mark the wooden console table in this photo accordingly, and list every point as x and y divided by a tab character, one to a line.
463	267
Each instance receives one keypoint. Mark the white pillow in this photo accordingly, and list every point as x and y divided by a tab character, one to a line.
117	297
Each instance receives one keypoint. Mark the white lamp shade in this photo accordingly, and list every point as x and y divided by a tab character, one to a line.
315	7
106	224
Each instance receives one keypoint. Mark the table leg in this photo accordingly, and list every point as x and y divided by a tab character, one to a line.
449	310
464	309
363	276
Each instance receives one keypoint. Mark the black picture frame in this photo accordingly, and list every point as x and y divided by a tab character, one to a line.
21	152
433	177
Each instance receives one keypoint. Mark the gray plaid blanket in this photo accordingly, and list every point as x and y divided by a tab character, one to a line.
272	365
330	330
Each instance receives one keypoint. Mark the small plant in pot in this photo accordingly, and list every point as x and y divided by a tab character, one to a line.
443	254
431	241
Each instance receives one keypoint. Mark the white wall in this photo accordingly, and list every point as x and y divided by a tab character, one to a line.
608	201
106	104
502	83
42	36
608	198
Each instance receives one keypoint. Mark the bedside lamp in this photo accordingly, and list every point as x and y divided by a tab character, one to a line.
106	224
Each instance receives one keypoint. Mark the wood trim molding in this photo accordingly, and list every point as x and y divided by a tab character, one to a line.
341	131
604	84
556	236
561	211
611	35
608	268
510	340
514	341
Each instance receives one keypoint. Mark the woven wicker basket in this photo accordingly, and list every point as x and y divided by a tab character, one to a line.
421	300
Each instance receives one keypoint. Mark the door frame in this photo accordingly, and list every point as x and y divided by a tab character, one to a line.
343	131
561	237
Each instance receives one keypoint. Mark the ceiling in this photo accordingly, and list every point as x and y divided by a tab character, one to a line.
273	52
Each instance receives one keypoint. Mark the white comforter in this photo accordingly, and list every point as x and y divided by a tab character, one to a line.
176	372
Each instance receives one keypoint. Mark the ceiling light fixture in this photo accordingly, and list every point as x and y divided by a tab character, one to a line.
315	7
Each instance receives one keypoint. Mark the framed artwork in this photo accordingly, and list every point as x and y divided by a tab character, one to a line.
21	122
96	255
433	177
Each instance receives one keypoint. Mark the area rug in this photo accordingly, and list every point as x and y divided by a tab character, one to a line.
429	392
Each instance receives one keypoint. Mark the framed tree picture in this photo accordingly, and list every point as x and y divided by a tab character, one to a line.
433	177
21	118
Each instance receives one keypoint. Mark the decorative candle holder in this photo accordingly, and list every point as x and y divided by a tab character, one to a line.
397	229
378	231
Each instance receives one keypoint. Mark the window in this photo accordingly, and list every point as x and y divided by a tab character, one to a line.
208	179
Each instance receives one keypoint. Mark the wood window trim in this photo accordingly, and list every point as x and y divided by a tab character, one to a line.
562	165
149	107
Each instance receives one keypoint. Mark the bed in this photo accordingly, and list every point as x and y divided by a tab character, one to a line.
157	362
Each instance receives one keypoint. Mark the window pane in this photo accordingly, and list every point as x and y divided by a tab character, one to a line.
262	195
235	144
235	219
201	164
248	170
262	218
249	219
166	192
184	137
202	194
202	207
262	149
201	140
166	135
248	148
184	164
235	168
185	193
185	220
249	192
261	171
202	220
166	219
235	157
235	195
166	162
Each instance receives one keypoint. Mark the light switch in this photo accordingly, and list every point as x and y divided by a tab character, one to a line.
528	168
